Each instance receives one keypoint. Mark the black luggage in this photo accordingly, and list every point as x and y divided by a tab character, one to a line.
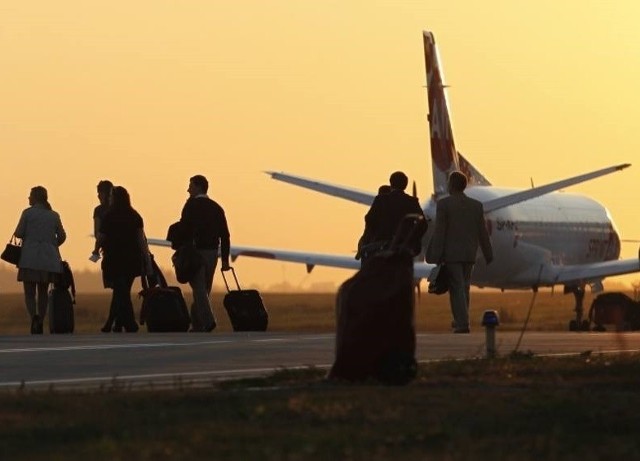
245	308
375	331
62	297
163	307
615	309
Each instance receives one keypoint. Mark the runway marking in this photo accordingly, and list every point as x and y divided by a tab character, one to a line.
147	345
108	346
175	377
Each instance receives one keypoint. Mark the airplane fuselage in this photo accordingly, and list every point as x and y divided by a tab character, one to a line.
538	232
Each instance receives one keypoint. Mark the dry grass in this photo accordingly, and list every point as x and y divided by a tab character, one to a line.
315	311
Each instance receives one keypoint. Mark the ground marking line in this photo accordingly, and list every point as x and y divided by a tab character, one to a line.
108	346
174	376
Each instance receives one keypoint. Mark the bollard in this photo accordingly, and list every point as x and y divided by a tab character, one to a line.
490	321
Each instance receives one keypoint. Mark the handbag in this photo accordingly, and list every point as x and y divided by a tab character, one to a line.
438	283
12	251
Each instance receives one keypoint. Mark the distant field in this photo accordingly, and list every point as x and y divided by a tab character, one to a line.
315	311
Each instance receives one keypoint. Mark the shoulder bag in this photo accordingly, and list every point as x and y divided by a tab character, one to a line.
12	251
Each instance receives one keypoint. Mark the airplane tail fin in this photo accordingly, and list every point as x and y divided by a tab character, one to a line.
444	156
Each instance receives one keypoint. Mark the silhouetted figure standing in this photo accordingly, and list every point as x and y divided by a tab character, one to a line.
126	256
388	210
205	224
460	229
365	239
41	231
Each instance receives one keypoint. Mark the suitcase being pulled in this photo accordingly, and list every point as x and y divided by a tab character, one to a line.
163	307
245	308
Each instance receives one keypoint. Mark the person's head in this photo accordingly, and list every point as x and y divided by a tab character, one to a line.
384	189
104	191
39	196
120	197
457	181
198	184
398	180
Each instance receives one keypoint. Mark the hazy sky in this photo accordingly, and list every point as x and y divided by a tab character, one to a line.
150	92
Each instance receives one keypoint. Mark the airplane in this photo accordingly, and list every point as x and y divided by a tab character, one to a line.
541	237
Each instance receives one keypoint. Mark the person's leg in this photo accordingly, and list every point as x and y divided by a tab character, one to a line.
30	297
30	303
467	269
43	303
201	316
457	295
211	262
122	304
43	299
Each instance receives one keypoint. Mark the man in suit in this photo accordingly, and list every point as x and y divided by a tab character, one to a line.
460	229
388	210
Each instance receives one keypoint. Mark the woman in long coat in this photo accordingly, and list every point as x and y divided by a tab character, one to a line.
126	256
41	231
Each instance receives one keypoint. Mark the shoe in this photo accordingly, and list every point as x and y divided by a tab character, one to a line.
133	328
106	328
462	330
117	329
35	325
210	328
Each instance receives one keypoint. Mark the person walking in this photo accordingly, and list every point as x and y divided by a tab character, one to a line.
125	257
460	228
104	196
41	231
205	224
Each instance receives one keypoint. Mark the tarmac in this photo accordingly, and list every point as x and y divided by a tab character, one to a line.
170	360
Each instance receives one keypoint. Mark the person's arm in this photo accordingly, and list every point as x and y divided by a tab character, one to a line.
96	231
435	249
485	241
225	242
21	227
61	235
147	265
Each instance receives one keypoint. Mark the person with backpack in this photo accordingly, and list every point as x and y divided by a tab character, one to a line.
125	257
41	231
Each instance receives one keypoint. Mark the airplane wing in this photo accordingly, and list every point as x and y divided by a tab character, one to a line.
348	193
528	194
421	269
594	272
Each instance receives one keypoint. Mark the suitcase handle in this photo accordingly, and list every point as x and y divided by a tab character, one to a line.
233	271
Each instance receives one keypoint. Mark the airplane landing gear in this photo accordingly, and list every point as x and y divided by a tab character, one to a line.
578	324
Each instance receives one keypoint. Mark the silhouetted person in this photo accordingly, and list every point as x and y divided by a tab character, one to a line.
41	231
460	229
365	239
388	210
125	256
205	224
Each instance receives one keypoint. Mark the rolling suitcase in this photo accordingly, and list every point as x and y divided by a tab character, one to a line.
163	307
245	308
375	331
62	297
